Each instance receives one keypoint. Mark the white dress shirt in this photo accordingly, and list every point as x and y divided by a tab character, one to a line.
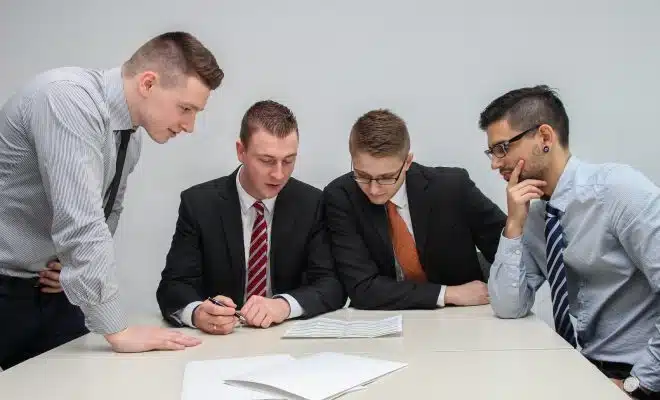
248	215
400	200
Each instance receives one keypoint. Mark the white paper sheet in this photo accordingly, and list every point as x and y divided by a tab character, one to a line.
204	380
320	376
332	328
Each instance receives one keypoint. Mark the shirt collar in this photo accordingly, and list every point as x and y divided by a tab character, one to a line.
563	192
400	198
247	201
120	117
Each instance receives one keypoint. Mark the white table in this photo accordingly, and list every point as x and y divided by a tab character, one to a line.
464	353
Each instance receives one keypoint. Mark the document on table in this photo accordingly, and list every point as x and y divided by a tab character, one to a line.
320	376
322	327
203	380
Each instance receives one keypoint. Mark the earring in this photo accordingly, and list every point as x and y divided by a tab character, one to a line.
546	149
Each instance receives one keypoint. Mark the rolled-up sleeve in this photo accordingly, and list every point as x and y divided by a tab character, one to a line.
69	133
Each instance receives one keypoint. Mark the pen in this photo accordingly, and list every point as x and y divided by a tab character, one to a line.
237	313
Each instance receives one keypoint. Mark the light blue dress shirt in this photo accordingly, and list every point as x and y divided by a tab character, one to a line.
611	219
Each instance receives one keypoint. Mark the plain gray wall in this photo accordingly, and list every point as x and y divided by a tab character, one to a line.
435	63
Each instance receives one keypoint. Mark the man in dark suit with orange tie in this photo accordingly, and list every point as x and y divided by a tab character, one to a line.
254	240
404	235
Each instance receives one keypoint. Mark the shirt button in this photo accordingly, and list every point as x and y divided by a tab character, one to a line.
514	284
517	252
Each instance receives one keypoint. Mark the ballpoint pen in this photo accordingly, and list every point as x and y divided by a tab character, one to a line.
237	313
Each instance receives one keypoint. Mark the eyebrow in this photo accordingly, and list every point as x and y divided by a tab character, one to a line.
190	105
270	156
387	174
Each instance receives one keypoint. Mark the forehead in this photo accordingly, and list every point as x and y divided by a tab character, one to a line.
192	91
263	142
375	166
499	131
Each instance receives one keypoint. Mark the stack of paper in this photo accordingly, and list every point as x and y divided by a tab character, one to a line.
321	376
332	328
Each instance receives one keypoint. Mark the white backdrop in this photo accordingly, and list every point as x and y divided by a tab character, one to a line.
435	63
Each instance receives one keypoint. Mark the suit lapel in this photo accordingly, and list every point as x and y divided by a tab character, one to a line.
419	205
284	219
232	226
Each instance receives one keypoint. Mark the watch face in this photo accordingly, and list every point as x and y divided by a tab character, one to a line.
630	384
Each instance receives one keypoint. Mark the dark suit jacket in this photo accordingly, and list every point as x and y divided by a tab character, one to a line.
450	216
207	255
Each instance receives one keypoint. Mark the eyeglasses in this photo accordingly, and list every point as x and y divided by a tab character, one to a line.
499	150
380	181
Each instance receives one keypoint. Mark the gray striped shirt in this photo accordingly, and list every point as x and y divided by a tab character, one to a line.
57	158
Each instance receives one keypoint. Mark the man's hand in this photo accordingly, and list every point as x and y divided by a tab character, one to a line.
263	312
617	382
49	279
470	294
214	319
147	338
518	196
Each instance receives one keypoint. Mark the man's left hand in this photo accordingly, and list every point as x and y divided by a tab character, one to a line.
49	279
264	312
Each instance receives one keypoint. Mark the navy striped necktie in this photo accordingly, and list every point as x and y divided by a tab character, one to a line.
554	241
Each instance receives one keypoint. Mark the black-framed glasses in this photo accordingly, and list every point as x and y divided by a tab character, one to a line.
380	181
500	149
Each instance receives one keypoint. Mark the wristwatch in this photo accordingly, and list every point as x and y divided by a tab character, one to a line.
632	387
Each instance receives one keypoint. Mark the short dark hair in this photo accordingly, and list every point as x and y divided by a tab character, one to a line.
175	53
380	133
526	107
270	116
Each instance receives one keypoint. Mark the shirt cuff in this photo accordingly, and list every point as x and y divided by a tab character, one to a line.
185	315
296	309
509	251
106	318
441	297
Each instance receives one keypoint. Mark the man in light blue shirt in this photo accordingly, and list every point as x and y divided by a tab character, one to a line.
592	231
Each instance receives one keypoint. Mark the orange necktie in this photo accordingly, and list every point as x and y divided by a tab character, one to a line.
404	246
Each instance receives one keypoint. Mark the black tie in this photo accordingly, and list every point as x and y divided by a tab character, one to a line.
121	157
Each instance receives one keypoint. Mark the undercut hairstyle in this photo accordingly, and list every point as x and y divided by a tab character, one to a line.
268	115
380	133
527	107
174	55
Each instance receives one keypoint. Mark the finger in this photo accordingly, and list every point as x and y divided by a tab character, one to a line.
215	310
529	197
529	182
185	340
261	315
170	345
529	189
226	300
50	283
249	308
50	290
54	265
515	174
53	275
268	321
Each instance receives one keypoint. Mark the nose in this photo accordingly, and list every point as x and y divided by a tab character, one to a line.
278	171
374	188
188	124
495	162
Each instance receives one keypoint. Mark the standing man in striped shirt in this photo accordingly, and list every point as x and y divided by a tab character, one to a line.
67	146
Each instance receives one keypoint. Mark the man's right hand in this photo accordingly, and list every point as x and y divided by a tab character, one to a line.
518	196
473	293
146	338
215	319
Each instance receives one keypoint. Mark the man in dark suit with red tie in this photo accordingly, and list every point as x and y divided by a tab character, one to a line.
403	235
254	240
